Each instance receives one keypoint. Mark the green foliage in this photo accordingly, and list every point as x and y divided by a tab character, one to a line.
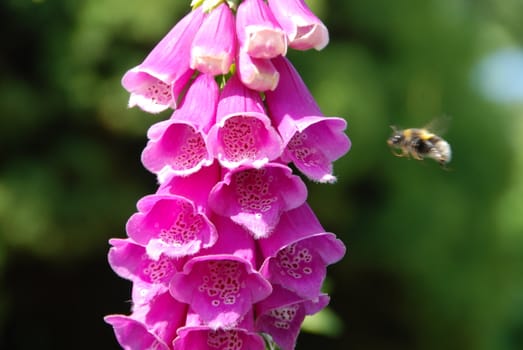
434	257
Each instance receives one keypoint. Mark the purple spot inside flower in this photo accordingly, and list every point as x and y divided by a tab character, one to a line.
302	151
192	151
295	261
239	137
185	228
225	340
252	188
158	92
158	271
284	316
222	282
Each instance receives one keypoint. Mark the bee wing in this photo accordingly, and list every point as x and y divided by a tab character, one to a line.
439	125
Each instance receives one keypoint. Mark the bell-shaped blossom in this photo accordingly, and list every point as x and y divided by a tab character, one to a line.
312	140
304	29
256	73
130	261
298	252
177	146
258	32
283	312
243	134
156	83
169	223
133	335
152	325
221	284
205	338
196	335
214	46
255	198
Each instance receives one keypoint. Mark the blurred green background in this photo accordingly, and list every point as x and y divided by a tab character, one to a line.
435	257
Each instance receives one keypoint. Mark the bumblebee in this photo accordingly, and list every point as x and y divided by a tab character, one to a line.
419	144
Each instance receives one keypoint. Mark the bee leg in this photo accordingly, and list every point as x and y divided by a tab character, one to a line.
402	154
398	154
417	156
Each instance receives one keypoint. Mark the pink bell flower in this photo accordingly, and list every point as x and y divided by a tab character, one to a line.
156	83
256	73
206	338
304	29
255	198
221	283
312	140
177	146
298	252
152	325
170	223
133	335
259	33
243	134
214	46
197	335
282	313
130	261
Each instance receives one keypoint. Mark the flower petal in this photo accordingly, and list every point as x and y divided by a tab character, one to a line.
283	312
221	289
177	146
255	198
304	29
133	335
152	325
256	73
312	141
258	31
199	104
243	134
156	83
214	45
172	227
205	338
130	261
298	252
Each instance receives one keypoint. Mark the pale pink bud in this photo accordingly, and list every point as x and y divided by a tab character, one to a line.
304	29
258	31
214	45
257	73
